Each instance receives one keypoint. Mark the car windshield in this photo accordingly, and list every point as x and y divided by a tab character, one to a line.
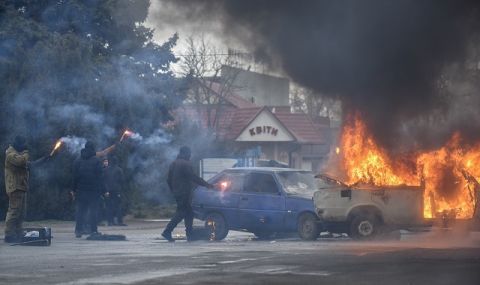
297	182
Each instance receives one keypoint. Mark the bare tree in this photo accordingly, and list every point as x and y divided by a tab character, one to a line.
204	63
314	104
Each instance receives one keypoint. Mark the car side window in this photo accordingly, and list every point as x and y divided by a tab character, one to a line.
231	182
262	183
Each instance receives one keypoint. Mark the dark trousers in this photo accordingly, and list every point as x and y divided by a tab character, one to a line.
114	208
184	211
87	208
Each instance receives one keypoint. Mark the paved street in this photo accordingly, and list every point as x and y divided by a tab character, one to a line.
426	258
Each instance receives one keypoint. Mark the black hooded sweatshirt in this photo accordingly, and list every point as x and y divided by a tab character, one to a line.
88	173
181	177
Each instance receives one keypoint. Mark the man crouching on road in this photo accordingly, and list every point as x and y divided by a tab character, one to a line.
17	166
181	180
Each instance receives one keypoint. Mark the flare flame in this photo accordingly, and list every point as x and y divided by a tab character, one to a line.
58	144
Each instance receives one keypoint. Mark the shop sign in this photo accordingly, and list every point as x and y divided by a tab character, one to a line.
263	130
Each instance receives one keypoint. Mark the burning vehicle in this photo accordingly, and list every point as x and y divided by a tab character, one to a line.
384	191
365	211
260	200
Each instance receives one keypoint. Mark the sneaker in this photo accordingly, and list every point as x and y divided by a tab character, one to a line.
121	225
78	235
168	236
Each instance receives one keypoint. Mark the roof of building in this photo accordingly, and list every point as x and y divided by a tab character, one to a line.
236	113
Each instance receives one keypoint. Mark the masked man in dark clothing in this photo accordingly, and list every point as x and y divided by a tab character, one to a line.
181	180
88	186
114	183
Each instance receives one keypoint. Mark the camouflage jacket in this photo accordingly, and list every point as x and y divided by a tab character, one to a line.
16	170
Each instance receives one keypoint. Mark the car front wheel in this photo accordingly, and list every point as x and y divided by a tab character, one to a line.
217	225
308	227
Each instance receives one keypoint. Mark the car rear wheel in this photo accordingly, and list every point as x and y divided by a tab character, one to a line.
364	227
217	225
308	227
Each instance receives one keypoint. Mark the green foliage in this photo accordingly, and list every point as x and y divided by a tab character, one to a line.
87	68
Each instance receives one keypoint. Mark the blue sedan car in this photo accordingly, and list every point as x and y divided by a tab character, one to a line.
263	201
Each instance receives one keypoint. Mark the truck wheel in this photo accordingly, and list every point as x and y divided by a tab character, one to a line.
217	225
308	227
364	227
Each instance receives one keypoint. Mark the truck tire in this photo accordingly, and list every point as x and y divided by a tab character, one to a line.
364	227
308	227
217	225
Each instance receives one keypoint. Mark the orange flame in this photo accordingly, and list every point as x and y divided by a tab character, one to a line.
224	185
446	189
126	133
58	144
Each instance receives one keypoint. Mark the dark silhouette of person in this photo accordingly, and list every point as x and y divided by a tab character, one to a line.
181	181
88	186
114	183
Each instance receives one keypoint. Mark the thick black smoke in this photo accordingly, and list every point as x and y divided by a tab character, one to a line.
381	58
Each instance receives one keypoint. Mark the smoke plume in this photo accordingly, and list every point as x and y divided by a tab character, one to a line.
384	59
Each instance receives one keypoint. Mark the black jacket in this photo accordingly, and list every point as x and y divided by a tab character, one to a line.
181	178
114	179
88	173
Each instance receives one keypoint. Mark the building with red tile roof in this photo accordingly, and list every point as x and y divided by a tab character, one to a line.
291	138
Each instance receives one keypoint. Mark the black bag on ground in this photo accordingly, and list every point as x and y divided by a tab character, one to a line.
36	237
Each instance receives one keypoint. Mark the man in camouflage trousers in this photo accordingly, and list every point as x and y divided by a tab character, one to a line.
17	166
16	184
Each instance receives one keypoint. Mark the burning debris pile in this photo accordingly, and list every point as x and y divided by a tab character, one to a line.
448	173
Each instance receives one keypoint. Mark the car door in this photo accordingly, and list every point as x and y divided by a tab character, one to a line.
262	204
223	198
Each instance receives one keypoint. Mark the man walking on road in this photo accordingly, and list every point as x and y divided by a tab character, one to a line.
181	181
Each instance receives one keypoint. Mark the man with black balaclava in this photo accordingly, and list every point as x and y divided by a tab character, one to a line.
114	183
181	181
88	186
17	166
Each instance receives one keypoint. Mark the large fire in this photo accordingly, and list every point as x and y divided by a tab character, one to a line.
443	170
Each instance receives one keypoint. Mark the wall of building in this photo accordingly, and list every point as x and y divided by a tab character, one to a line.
265	90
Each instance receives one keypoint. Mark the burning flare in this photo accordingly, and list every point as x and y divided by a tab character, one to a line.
443	171
127	133
224	185
56	147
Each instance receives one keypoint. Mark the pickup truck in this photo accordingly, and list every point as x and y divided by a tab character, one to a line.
365	211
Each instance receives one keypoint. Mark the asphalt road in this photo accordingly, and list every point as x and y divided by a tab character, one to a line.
436	257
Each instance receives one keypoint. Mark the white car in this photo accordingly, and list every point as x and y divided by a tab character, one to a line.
364	211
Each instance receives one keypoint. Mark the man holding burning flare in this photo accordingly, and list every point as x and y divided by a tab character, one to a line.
17	168
181	180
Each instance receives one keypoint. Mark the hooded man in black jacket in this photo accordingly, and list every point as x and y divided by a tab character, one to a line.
88	186
181	181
